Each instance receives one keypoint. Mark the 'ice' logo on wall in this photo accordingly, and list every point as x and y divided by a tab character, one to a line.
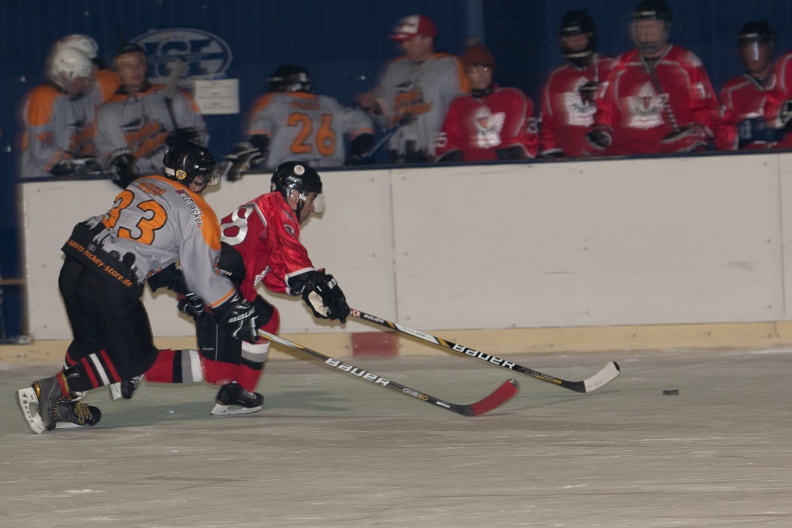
207	55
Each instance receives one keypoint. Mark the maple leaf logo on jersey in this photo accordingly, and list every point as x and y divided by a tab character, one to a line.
645	108
580	112
488	127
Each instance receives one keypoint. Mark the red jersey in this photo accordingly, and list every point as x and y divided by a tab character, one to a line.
568	109
478	126
742	98
265	233
780	92
635	107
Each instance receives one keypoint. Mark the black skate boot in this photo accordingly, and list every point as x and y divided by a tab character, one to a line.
49	402
75	414
129	387
233	399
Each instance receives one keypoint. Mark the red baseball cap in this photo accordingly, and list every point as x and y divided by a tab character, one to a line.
413	25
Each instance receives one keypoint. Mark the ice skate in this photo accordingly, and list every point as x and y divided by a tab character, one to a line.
73	414
233	399
38	403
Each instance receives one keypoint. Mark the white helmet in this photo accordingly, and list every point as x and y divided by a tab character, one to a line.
68	63
79	41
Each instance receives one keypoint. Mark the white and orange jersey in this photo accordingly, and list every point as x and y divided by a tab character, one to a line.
141	123
569	103
423	91
306	127
265	235
56	128
153	223
108	83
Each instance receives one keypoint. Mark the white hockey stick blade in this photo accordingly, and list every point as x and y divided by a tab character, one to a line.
609	373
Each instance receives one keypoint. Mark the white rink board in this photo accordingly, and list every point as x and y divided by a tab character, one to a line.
559	244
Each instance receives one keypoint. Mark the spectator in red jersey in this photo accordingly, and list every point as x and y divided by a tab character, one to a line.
743	124
778	107
491	122
658	97
569	98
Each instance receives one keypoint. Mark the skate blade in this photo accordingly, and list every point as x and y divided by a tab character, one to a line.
28	404
115	391
231	410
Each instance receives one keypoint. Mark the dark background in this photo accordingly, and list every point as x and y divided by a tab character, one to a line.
344	45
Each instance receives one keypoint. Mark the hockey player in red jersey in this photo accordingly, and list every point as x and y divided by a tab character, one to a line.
569	98
743	123
658	97
261	244
778	107
491	122
154	222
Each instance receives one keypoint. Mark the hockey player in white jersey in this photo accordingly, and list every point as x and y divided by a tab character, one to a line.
154	222
291	123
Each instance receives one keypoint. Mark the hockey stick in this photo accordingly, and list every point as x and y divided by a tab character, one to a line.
501	395
178	67
370	153
600	379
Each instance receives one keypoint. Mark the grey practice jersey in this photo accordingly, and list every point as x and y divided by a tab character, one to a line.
153	223
306	127
57	128
140	122
424	90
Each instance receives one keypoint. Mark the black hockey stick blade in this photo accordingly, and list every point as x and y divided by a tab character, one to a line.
502	394
600	379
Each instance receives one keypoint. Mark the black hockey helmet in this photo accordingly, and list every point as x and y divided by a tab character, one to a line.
296	176
574	23
652	10
186	161
757	30
290	78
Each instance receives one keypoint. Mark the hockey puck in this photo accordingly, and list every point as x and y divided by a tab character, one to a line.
671	392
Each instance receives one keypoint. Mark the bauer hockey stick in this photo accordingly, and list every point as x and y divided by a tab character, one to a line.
502	394
600	379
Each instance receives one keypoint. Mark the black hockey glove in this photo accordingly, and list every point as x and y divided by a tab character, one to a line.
76	167
359	150
244	157
756	129
599	137
183	135
123	168
322	294
515	152
170	277
785	115
191	305
241	318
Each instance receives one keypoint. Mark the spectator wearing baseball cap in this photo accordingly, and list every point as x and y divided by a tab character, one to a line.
413	25
490	123
414	92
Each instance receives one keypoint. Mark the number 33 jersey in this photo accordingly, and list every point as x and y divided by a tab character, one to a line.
153	223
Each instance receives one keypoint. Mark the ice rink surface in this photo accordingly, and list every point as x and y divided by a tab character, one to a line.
332	451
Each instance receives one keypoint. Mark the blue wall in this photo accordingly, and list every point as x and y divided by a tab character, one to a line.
344	45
